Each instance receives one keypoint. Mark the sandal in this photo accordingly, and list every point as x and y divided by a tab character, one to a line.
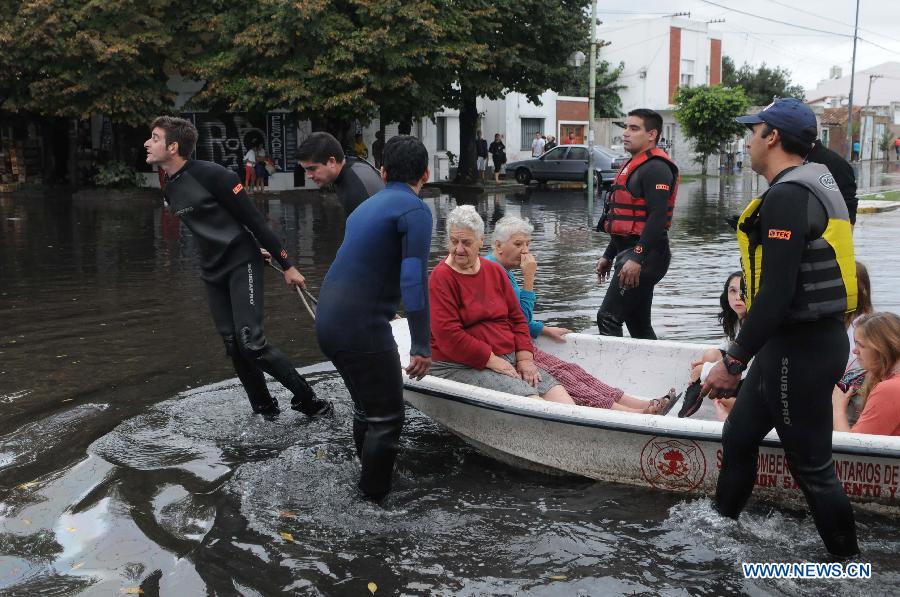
671	398
692	400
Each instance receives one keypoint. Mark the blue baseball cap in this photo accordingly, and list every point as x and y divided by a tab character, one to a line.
788	115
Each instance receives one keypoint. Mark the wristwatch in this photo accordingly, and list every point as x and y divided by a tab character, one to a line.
734	366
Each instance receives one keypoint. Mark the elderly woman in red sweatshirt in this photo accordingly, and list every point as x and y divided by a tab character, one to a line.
479	335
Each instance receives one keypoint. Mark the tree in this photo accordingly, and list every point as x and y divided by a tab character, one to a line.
72	59
332	61
706	114
607	103
762	85
507	46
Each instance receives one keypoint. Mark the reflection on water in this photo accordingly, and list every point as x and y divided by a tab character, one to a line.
128	464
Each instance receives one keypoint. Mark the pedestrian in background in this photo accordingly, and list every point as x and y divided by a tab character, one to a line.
481	151
498	153
359	147
537	146
378	149
551	143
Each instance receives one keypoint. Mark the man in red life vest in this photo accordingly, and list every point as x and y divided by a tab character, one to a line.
637	216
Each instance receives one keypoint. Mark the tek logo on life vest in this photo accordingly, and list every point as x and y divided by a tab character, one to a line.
237	188
662	187
827	181
780	234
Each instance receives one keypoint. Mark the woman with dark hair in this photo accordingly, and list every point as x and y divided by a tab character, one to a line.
877	347
732	313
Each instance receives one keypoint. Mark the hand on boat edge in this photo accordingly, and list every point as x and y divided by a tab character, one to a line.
418	366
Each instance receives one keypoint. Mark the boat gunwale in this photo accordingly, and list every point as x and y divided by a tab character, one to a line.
876	452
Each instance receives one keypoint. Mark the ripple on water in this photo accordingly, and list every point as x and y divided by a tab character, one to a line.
202	432
32	440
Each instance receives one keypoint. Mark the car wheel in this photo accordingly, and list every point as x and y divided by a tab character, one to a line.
523	176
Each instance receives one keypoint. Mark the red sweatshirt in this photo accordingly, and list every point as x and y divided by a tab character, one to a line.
473	316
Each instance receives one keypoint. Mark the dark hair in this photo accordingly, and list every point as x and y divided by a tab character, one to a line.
790	143
405	159
728	319
318	147
178	130
863	297
652	121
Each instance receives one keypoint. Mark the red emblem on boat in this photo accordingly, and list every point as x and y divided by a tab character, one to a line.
673	464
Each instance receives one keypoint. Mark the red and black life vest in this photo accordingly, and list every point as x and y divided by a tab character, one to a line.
626	214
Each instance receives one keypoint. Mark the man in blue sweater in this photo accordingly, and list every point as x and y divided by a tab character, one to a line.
383	259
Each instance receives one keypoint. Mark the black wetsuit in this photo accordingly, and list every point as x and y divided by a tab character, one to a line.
842	172
357	181
791	379
632	306
213	204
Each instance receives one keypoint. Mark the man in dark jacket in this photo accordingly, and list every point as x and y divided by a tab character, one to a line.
842	172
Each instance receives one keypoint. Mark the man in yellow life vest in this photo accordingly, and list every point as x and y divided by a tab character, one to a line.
797	256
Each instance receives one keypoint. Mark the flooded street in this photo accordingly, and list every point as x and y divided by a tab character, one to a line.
130	460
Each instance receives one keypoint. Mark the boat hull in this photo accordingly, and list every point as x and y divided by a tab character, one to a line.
665	453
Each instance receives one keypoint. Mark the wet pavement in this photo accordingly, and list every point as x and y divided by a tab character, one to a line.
129	460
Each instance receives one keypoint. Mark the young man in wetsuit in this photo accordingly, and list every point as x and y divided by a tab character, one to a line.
212	203
799	270
354	179
637	216
383	259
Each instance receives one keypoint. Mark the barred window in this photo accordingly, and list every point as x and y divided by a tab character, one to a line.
530	126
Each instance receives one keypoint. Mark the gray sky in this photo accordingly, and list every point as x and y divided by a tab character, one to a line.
809	55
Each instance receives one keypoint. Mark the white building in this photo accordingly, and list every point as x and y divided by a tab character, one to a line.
660	55
513	116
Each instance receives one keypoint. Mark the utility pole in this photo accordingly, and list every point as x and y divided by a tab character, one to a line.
850	101
592	92
861	121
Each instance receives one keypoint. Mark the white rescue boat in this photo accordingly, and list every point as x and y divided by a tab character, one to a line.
664	452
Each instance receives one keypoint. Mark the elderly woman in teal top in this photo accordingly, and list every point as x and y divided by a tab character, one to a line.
511	239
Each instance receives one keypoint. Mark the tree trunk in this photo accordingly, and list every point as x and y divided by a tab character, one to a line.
72	164
404	127
704	164
468	121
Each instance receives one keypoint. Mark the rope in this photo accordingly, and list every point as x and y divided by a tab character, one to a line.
309	301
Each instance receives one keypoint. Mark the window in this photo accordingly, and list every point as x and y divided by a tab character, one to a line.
530	126
555	154
578	153
441	123
687	73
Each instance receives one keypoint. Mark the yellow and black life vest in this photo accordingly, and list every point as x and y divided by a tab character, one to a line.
826	284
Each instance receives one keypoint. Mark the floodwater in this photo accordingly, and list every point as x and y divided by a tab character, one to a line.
130	462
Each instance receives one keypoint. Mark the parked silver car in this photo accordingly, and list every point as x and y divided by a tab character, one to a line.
568	162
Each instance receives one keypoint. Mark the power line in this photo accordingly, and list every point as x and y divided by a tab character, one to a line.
750	14
872	43
832	20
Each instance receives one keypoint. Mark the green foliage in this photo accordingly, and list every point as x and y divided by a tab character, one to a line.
118	175
886	143
451	158
607	103
329	60
70	59
506	46
706	115
762	85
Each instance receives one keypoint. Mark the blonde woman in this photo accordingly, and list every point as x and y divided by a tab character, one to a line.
877	338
